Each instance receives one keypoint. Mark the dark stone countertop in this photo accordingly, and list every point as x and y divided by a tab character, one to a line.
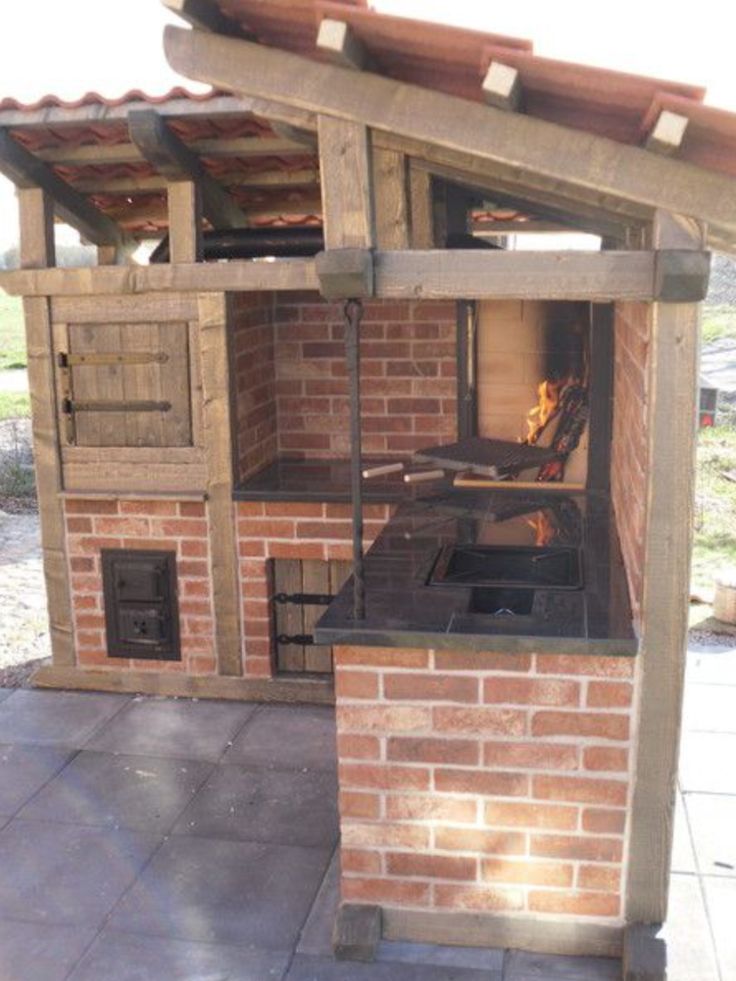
403	610
319	480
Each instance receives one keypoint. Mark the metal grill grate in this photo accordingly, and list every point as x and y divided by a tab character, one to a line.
490	457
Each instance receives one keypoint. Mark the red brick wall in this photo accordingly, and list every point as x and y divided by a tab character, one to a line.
629	450
483	782
179	526
274	530
408	374
254	382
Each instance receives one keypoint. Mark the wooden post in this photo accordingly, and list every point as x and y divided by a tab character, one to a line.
37	251
390	189
420	202
671	438
213	321
185	221
347	184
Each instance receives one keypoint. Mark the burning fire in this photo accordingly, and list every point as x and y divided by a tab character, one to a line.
545	530
550	395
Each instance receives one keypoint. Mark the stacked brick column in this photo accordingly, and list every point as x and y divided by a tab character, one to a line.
483	782
178	526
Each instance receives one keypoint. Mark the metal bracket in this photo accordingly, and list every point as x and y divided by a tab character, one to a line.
300	640
71	406
67	360
304	599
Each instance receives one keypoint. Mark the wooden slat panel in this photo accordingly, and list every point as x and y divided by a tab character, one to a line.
157	381
289	617
316	578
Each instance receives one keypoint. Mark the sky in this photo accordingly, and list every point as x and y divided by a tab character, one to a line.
74	46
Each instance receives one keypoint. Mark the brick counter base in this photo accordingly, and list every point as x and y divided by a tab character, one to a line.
484	782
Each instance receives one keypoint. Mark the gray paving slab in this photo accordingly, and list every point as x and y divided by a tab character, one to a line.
62	718
690	952
66	874
710	708
707	762
306	968
316	935
184	729
711	664
24	769
524	966
720	897
147	793
475	958
5	692
289	737
683	855
40	951
248	804
224	891
713	825
129	957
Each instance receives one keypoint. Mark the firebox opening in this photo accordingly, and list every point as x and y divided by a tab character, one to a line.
533	381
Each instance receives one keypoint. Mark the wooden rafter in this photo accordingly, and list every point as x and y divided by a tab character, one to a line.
25	171
502	86
136	185
174	160
206	16
124	153
667	133
463	133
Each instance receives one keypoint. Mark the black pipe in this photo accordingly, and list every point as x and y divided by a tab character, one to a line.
353	315
252	243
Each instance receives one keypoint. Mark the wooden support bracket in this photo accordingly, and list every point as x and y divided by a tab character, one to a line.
357	932
345	274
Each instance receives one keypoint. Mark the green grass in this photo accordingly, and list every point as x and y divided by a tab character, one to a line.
718	322
715	506
12	334
14	405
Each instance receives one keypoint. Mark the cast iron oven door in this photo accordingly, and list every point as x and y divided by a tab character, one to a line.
517	566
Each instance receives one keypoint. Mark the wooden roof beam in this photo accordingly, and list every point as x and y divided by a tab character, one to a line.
668	132
135	185
338	42
175	161
206	16
502	87
455	131
25	170
122	153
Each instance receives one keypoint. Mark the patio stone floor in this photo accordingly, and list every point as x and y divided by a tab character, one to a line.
145	838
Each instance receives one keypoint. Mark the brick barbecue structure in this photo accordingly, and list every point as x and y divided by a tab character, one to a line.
331	437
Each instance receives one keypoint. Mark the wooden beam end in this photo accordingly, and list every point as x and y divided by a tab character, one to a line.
502	87
681	275
336	40
668	133
357	932
345	274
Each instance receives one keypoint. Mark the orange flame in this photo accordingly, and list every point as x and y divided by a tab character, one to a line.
545	532
546	408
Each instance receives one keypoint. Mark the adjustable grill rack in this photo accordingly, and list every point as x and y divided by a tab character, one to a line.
492	458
